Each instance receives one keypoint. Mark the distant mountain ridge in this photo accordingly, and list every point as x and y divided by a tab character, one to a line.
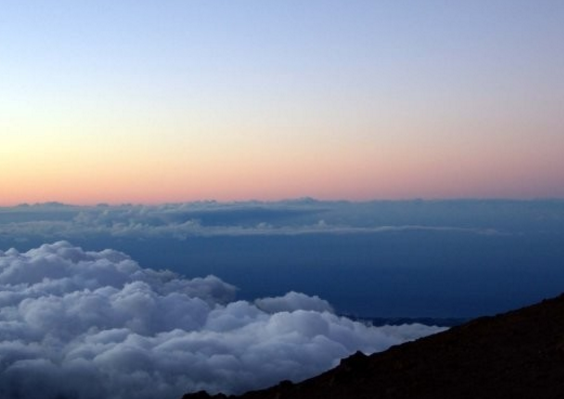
519	354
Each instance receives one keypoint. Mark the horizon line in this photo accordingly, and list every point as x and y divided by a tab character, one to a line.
306	199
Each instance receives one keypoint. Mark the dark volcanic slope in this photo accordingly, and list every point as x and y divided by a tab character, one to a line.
519	354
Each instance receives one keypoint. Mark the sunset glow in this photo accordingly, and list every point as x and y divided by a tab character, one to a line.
149	102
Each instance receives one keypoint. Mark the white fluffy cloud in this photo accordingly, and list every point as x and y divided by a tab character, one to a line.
84	325
293	301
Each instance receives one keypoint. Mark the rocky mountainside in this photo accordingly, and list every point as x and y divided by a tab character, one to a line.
519	354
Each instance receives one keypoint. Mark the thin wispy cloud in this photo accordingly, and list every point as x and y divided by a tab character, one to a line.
180	221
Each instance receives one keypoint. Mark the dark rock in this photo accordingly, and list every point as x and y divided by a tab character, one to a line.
517	355
203	395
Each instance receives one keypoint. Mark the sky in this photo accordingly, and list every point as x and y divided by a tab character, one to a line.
172	101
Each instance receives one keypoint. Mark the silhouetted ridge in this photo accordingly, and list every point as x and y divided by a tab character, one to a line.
519	354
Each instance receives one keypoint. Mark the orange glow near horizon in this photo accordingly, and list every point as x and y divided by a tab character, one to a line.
331	171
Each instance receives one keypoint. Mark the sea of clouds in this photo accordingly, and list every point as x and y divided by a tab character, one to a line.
82	325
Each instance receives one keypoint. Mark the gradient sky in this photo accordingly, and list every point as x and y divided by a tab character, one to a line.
166	101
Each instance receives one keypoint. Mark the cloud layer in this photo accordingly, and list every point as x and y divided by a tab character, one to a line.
85	325
211	219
